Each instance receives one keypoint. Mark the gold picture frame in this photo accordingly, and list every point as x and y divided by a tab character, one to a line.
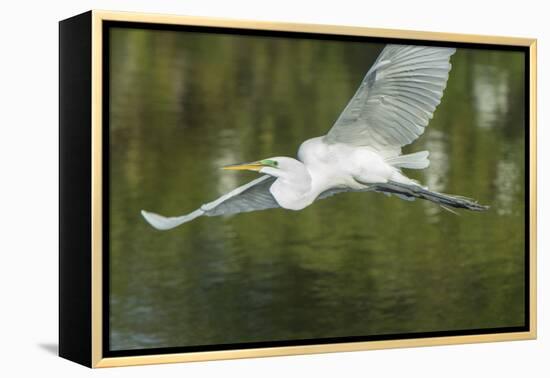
82	274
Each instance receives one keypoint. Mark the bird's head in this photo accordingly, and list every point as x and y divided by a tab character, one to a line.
280	166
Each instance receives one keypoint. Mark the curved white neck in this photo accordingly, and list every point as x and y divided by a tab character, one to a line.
292	190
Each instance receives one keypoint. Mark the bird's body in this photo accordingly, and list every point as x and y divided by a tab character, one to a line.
362	150
322	166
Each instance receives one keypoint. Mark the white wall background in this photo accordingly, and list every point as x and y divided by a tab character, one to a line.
28	186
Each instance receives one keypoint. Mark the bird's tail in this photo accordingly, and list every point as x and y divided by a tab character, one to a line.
412	191
416	160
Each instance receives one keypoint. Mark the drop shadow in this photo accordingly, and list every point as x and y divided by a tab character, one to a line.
51	348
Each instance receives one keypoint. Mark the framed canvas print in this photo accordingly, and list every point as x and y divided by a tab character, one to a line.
235	189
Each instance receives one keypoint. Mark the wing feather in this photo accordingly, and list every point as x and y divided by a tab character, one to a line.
396	99
252	196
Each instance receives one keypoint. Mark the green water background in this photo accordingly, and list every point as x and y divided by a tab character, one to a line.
184	104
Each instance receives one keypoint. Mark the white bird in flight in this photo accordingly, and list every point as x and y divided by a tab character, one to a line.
361	152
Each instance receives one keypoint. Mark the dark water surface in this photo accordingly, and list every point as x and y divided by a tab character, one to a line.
184	104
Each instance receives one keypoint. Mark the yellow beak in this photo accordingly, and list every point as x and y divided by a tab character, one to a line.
254	166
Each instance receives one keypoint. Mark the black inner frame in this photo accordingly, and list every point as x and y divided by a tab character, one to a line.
332	340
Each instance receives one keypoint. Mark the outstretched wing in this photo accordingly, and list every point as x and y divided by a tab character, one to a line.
396	99
250	197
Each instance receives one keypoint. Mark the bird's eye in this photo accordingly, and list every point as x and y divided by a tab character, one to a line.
270	162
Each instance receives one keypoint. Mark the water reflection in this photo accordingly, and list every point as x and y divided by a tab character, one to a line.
490	93
356	264
507	185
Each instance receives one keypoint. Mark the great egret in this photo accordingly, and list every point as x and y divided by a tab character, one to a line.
362	150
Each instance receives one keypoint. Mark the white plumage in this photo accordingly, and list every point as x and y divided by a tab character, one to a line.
361	152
